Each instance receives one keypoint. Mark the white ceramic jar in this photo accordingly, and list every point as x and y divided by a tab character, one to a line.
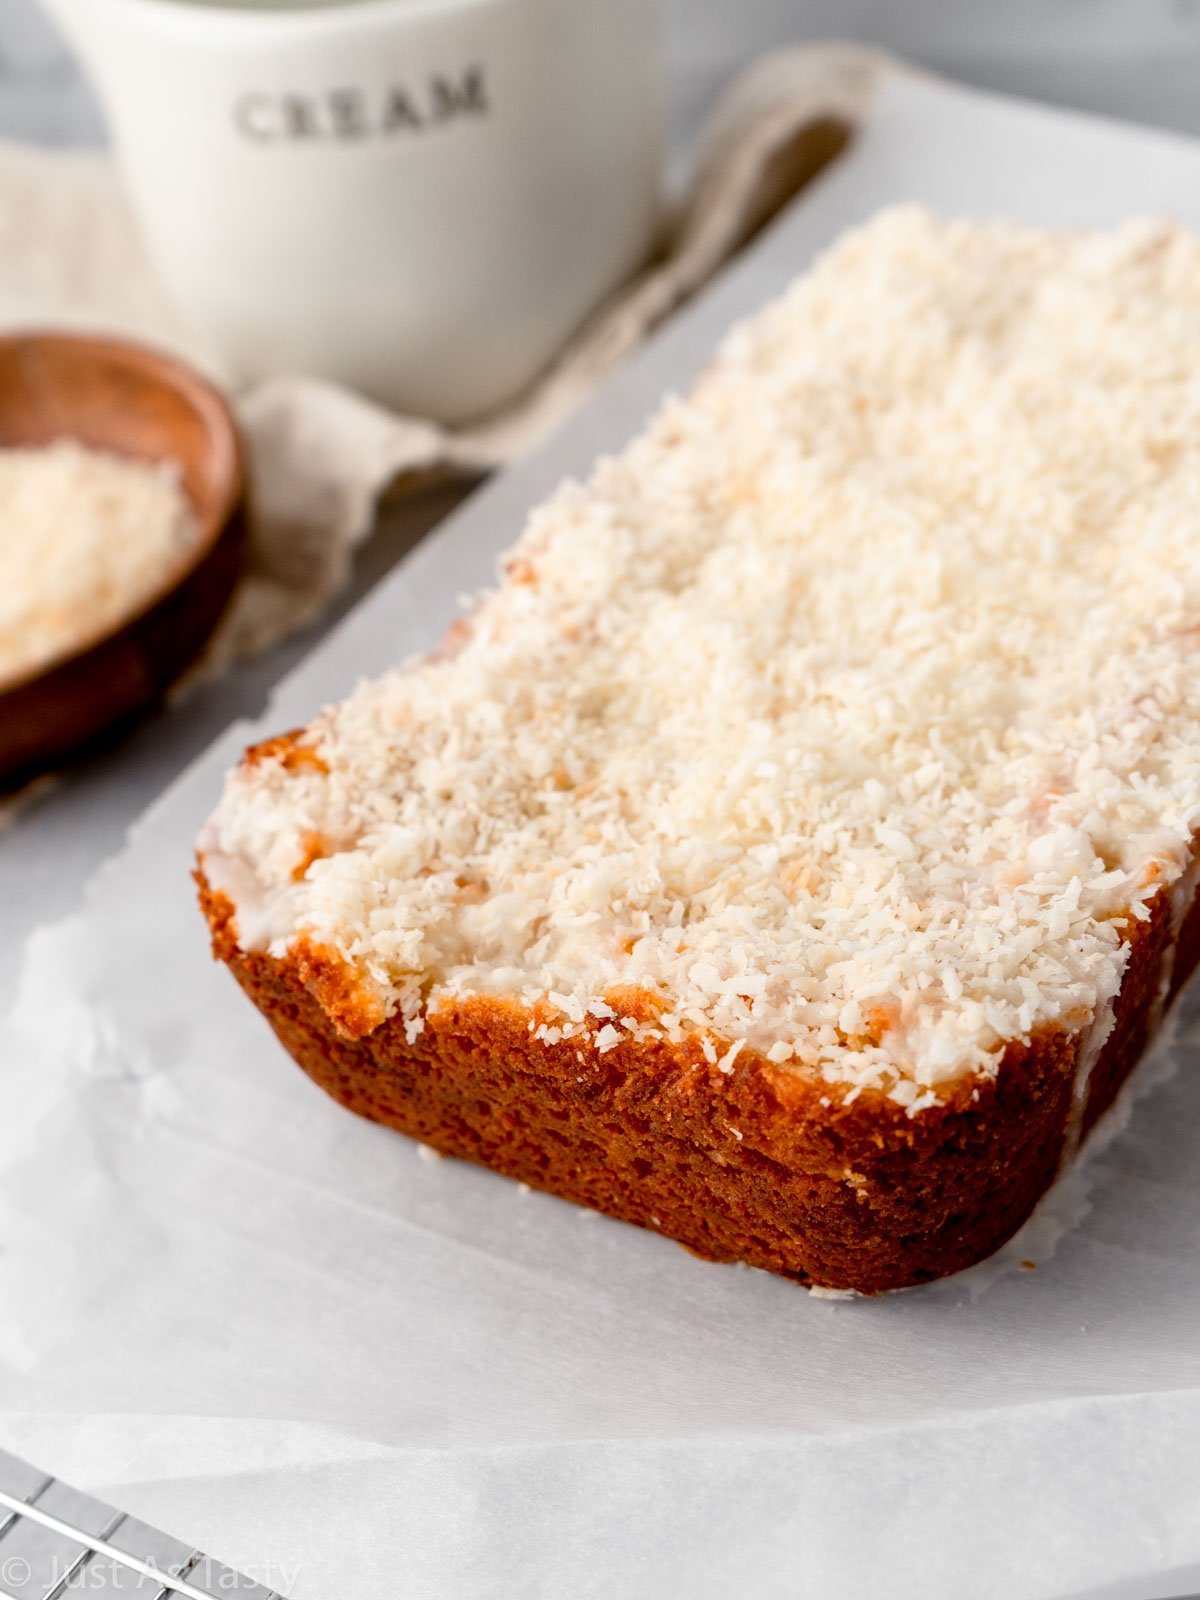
418	198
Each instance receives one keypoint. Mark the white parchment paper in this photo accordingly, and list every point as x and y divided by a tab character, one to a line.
352	1371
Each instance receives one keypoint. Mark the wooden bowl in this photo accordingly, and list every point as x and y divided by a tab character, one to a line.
134	402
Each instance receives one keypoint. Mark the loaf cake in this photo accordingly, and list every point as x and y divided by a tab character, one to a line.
795	851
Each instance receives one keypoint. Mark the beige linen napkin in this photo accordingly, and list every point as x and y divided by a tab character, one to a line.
320	456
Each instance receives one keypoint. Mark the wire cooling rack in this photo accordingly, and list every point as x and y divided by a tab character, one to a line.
56	1543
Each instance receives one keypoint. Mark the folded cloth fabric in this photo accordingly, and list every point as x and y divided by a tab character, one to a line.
321	456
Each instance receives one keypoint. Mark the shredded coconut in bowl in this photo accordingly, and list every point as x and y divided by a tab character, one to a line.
86	538
853	711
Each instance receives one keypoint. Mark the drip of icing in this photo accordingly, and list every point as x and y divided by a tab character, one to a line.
1183	894
1092	1040
1069	1198
258	918
1094	1037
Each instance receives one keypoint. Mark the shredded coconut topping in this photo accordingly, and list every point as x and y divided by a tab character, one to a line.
86	538
852	711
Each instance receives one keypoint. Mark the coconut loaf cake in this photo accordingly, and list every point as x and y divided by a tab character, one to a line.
794	853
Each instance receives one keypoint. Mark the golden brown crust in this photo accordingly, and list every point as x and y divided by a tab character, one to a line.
747	1166
290	751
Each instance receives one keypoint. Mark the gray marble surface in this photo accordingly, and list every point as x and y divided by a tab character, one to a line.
1131	58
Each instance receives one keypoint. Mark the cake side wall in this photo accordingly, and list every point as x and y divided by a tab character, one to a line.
858	1196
